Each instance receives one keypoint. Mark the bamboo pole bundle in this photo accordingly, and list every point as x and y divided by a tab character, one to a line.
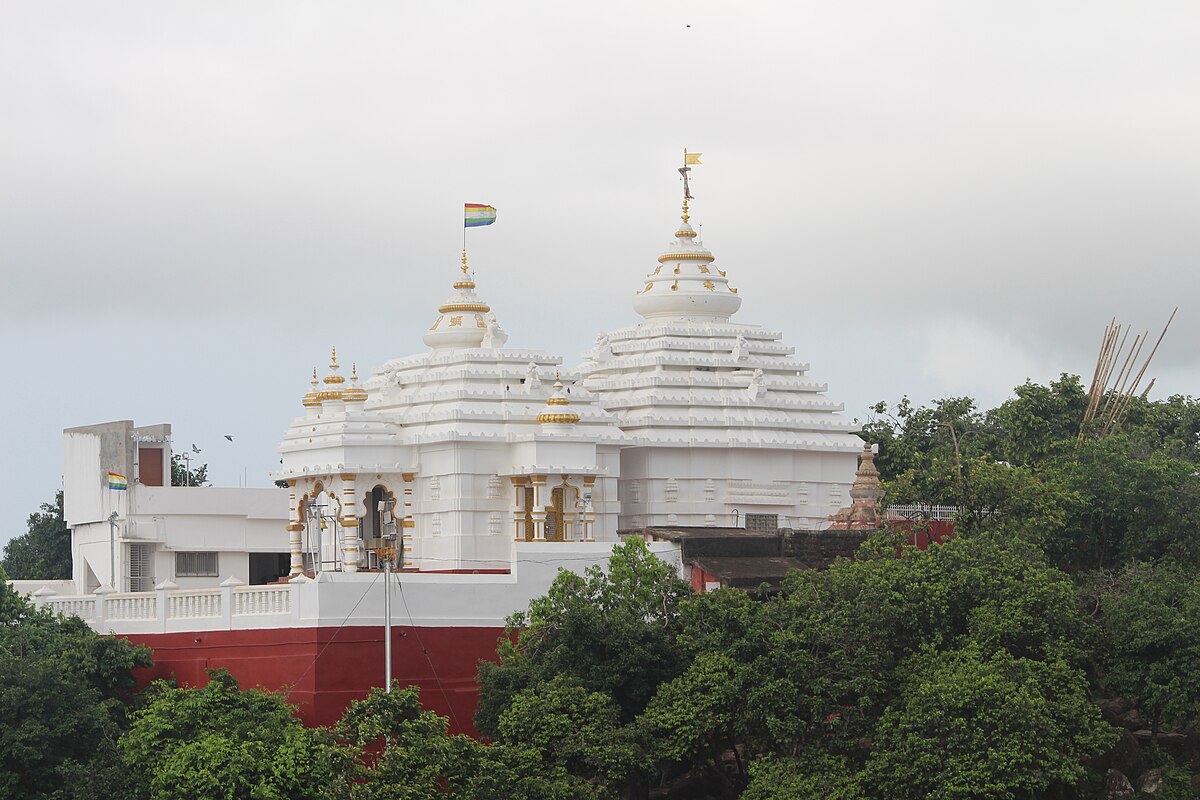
1109	398
1123	408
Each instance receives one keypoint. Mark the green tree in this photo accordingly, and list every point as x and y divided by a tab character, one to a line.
1040	424
570	741
43	552
814	776
221	742
1151	621
613	632
696	718
973	724
182	475
63	695
404	751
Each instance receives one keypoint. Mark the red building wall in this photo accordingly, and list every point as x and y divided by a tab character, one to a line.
322	670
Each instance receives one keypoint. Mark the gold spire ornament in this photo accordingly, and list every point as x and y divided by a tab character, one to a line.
466	282
313	398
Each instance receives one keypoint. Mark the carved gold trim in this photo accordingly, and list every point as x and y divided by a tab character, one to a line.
295	526
558	401
409	522
665	257
347	476
455	322
557	419
482	308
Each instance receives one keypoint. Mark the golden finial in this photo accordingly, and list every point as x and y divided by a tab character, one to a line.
353	370
312	398
464	261
685	211
333	377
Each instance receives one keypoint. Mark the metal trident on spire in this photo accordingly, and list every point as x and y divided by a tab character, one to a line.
689	160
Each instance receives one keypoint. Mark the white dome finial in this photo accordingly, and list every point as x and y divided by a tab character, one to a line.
686	283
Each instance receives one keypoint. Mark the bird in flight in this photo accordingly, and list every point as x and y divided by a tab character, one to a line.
230	438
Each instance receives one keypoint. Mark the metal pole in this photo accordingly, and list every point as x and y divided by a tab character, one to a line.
387	624
112	549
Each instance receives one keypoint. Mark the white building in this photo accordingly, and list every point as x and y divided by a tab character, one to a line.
132	539
469	445
472	453
727	428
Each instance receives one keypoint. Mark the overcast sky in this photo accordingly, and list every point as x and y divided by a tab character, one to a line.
931	199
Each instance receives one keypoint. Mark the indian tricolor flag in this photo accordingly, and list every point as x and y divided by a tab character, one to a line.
478	215
116	481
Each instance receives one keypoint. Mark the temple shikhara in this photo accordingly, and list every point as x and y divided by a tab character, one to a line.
474	468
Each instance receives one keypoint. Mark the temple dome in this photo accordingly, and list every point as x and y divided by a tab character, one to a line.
686	283
463	319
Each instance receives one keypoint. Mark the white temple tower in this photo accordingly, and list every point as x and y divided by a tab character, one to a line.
473	445
727	427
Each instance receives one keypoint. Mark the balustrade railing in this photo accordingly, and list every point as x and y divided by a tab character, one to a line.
140	605
194	604
262	600
82	607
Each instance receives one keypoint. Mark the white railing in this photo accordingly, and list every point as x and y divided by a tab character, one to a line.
194	604
139	605
262	600
918	511
230	605
82	607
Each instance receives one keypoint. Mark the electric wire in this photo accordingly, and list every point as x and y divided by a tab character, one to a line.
420	643
336	631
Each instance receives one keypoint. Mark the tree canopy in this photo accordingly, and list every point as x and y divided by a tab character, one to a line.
43	552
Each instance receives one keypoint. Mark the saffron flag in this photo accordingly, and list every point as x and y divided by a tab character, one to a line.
691	158
478	215
116	481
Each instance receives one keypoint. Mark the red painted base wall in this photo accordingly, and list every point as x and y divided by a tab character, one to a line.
322	670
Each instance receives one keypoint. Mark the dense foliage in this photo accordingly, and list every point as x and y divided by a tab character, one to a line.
63	700
1049	649
43	552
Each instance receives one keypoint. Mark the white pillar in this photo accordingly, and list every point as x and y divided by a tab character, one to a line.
408	524
294	527
539	510
162	602
518	507
350	550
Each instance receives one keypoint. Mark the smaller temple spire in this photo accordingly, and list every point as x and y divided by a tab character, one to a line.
313	397
863	512
333	377
555	411
354	393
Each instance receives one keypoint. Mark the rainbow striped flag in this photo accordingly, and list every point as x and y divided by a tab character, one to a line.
119	482
477	215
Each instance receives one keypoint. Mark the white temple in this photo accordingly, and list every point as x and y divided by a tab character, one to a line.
683	419
474	444
464	456
725	426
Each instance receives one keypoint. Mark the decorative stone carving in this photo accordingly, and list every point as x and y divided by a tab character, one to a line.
863	512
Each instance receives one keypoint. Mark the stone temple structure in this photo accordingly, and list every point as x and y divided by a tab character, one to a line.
472	444
725	426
